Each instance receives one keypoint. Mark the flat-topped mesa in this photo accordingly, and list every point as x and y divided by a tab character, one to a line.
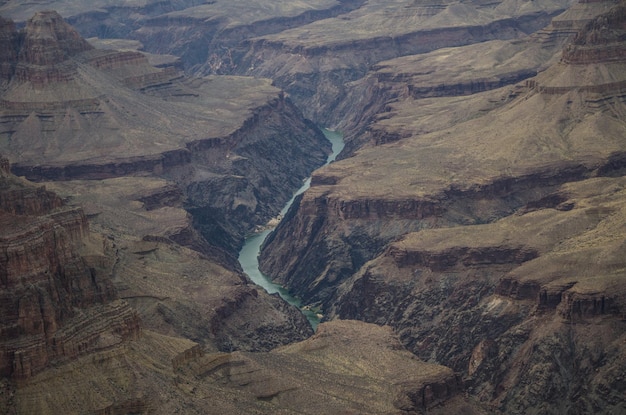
132	68
48	43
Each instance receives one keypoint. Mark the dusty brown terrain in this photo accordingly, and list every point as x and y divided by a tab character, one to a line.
347	367
514	199
477	212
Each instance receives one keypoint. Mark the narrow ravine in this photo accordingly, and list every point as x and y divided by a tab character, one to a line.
249	254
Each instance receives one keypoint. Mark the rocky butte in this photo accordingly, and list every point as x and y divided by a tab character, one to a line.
467	251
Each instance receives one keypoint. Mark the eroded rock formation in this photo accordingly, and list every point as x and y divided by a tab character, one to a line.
226	141
54	305
480	215
171	171
508	195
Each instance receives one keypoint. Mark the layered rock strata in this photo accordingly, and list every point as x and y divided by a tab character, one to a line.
222	148
345	359
514	199
346	367
226	141
423	181
315	62
492	301
54	305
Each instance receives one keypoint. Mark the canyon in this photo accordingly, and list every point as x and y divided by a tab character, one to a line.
466	249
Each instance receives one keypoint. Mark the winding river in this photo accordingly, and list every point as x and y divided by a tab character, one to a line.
249	254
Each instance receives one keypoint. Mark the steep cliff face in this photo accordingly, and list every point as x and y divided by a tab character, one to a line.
495	301
315	63
363	364
511	275
154	158
349	359
228	142
54	306
46	47
422	180
208	37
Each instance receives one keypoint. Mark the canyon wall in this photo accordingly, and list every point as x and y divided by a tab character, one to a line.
477	211
72	112
55	306
173	173
489	238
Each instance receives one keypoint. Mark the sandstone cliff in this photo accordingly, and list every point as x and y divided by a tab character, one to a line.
74	112
481	215
520	159
55	306
348	367
494	301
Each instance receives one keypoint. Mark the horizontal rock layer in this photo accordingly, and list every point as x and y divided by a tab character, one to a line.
484	228
53	306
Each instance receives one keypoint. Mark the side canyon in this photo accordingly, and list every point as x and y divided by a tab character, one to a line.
466	249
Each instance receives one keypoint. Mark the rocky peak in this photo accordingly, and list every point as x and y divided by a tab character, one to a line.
49	40
40	53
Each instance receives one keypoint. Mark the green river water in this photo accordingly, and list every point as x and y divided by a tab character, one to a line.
249	254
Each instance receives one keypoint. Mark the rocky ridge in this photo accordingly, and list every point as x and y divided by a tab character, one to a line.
201	132
483	298
303	377
549	160
58	130
531	155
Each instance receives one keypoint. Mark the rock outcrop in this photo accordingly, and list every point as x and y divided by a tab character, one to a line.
422	181
228	142
492	301
46	47
347	367
480	213
54	305
511	195
346	359
171	171
316	63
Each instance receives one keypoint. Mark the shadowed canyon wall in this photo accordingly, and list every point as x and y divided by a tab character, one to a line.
55	306
476	213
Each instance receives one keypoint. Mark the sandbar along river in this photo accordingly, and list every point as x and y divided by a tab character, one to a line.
249	254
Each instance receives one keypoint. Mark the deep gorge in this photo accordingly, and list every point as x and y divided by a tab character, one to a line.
465	250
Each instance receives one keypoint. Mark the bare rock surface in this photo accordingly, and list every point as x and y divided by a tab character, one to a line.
480	215
149	239
75	112
347	367
491	300
501	208
55	305
333	372
140	148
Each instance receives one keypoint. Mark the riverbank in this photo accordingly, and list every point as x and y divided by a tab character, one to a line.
249	254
